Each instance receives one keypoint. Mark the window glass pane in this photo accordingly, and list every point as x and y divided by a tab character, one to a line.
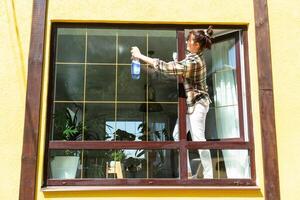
69	82
131	89
222	121
162	88
161	44
126	130
130	163
227	122
229	163
96	162
129	119
100	83
96	117
128	39
101	45
67	122
140	163
70	45
161	121
95	85
65	164
132	125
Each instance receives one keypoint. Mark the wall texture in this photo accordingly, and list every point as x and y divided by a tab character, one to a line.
15	21
285	30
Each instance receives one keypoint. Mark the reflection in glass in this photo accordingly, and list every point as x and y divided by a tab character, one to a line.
138	112
100	83
130	89
70	45
126	130
96	162
101	46
161	124
130	163
157	163
131	124
226	164
161	44
67	122
64	164
131	117
165	86
69	82
96	116
150	97
128	39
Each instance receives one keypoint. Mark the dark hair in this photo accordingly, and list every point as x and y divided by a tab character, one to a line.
202	37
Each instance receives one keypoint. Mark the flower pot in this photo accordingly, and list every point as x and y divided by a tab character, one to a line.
64	167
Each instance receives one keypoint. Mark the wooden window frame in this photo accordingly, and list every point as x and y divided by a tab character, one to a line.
266	99
183	145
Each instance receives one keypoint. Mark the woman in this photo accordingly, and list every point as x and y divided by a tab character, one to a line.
193	71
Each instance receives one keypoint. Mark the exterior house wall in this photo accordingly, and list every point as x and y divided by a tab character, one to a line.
15	22
284	21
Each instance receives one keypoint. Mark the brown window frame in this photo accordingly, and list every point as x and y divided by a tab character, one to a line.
183	145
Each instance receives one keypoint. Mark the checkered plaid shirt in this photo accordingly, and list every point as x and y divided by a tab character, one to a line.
193	70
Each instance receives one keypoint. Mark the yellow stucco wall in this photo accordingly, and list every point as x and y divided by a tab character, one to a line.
14	47
15	22
285	41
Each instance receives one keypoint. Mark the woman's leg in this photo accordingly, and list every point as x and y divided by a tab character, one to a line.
197	129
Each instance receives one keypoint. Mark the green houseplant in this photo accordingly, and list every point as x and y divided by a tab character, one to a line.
73	128
64	164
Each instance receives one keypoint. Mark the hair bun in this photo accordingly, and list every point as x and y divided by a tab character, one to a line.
209	31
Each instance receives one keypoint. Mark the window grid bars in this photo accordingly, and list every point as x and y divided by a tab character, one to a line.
116	102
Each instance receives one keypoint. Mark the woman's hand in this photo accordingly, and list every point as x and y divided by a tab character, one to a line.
135	52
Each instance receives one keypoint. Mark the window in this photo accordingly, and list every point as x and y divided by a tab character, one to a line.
105	128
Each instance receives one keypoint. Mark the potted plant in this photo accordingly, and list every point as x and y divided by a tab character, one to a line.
64	166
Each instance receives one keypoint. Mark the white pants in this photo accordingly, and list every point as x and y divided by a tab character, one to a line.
195	123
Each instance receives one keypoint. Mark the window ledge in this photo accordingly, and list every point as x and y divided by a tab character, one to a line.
110	188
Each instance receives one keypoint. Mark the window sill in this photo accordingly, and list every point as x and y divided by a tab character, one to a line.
126	188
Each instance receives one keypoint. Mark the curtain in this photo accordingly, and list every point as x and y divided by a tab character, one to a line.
225	94
226	106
